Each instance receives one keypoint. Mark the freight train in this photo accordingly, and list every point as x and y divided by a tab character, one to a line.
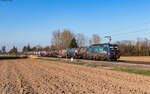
104	51
95	52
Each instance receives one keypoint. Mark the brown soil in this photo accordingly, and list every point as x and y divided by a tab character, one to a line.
136	58
29	76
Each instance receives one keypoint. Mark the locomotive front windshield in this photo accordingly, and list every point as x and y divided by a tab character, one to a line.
114	49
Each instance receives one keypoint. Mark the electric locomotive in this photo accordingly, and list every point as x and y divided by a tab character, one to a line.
104	51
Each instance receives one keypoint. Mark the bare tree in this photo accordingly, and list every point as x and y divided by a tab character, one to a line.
67	36
3	49
0	52
62	40
81	40
139	48
90	42
57	39
39	48
13	51
96	38
52	47
47	48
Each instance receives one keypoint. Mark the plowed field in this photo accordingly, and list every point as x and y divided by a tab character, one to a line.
30	76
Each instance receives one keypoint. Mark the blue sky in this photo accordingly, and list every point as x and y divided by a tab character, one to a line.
33	21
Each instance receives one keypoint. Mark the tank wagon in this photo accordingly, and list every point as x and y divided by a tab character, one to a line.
62	53
72	52
82	53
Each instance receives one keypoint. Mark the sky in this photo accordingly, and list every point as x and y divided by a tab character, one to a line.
32	22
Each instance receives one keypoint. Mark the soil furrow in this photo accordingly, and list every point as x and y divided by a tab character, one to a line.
29	76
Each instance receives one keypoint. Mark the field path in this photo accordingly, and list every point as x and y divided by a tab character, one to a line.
29	76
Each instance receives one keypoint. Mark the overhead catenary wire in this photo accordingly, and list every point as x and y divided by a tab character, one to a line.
126	33
129	27
144	35
129	32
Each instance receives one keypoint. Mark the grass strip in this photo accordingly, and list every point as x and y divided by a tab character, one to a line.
135	71
7	56
76	63
68	62
12	57
48	59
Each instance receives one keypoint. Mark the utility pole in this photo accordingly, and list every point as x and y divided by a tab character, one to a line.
109	38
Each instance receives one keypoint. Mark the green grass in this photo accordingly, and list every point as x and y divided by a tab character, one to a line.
76	63
7	56
12	57
91	65
135	71
47	59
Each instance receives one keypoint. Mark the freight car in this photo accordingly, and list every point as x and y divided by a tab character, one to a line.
82	53
72	52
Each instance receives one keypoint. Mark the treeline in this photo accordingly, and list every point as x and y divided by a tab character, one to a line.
67	39
13	51
28	48
131	48
60	40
